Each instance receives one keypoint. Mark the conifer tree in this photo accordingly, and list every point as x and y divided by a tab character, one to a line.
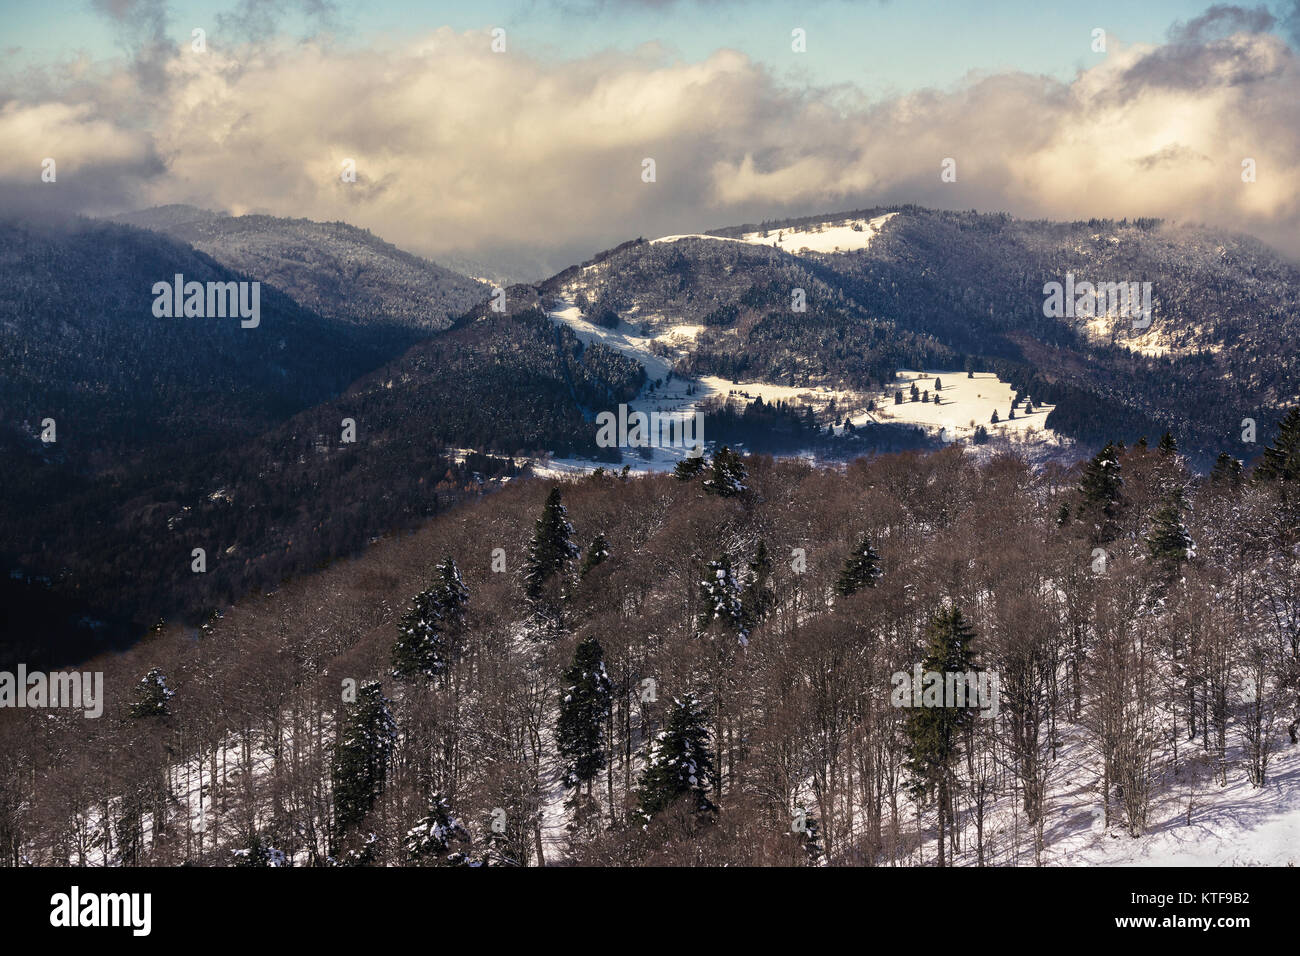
1167	444
727	478
595	555
255	854
681	766
934	734
428	635
720	597
430	841
152	695
1169	544
689	467
584	709
1281	461
361	756
258	853
861	570
1100	488
1227	470
450	596
420	649
551	548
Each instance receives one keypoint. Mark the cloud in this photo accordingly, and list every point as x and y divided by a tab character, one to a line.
1220	47
258	21
96	162
464	152
1290	22
141	29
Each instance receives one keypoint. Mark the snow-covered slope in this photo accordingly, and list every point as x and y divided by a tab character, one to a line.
657	352
846	235
966	402
1192	821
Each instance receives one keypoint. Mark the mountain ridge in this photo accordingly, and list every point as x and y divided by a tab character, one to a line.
341	271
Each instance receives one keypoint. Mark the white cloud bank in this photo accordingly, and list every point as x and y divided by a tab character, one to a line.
463	151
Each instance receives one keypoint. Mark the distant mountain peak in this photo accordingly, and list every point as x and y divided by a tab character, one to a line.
337	269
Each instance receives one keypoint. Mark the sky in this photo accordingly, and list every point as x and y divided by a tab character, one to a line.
533	155
881	46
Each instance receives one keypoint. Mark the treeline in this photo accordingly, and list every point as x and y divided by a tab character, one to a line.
775	428
697	669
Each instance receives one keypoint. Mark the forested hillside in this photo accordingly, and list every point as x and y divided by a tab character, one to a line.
1222	305
964	290
106	410
333	268
701	668
278	498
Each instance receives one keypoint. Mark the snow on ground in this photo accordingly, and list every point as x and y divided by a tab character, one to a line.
966	402
1115	329
194	787
1232	825
845	235
672	397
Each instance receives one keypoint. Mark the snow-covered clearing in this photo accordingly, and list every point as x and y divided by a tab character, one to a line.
965	401
845	235
672	396
1116	329
1235	825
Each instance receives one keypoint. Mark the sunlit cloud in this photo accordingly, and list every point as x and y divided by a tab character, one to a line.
463	151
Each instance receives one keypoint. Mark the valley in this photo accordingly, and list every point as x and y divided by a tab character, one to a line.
829	353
